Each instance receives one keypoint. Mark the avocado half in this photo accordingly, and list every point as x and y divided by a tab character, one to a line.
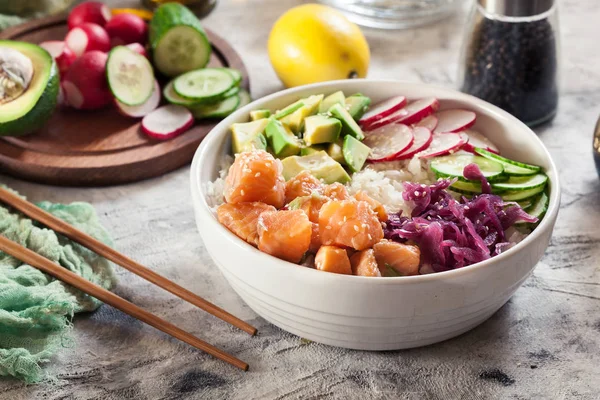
30	111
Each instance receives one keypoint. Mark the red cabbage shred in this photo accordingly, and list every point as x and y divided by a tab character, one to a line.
455	233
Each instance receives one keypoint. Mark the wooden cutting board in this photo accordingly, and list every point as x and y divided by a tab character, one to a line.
97	148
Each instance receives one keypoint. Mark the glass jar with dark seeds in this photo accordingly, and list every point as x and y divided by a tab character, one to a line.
510	57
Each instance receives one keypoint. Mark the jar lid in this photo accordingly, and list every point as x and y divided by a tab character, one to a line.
516	8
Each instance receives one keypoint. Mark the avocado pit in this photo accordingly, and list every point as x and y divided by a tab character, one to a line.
16	73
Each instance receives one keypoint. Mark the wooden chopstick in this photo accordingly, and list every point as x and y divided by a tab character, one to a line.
36	213
35	260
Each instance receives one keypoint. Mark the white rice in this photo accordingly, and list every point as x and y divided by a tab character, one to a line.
381	181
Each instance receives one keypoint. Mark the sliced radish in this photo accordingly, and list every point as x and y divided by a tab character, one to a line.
428	122
143	109
476	139
89	11
419	109
454	120
423	137
166	122
61	53
444	143
382	110
390	119
388	141
87	37
138	48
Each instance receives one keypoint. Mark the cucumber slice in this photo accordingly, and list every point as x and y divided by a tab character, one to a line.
522	182
129	75
289	109
511	167
519	195
244	98
173	98
204	85
526	204
217	110
237	75
455	164
540	206
466	187
179	44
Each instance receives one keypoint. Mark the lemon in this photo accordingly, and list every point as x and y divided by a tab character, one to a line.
315	43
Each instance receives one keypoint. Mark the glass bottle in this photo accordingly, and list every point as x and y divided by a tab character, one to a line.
510	57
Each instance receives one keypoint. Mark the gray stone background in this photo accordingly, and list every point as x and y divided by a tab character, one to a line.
544	344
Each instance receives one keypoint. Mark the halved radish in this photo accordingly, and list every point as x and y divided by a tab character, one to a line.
454	120
428	122
444	143
419	109
126	28
476	139
89	11
138	48
87	37
389	141
423	137
382	110
143	109
61	53
166	122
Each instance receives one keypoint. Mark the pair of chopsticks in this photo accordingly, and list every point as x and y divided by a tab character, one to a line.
106	296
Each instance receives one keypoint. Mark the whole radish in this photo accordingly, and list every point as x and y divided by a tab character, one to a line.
85	86
62	54
87	37
127	28
89	11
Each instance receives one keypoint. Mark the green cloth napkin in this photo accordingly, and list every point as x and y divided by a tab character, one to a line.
36	309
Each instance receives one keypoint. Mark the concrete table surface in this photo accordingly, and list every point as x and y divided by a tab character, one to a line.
543	344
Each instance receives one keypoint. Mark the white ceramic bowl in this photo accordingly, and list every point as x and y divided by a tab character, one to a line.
374	313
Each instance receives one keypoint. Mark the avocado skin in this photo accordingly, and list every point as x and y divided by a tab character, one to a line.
39	114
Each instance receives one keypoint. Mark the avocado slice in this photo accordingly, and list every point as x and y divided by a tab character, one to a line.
281	139
305	151
334	98
349	125
27	99
288	110
319	164
248	136
255	115
321	129
335	151
357	105
355	153
295	120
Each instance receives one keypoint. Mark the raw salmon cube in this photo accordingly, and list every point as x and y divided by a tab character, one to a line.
336	191
303	184
315	240
375	205
285	234
311	205
242	219
364	263
402	259
255	176
349	223
333	259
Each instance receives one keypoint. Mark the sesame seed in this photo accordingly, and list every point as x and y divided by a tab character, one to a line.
256	175
328	227
268	164
340	223
417	194
466	208
345	218
356	228
242	192
369	236
364	226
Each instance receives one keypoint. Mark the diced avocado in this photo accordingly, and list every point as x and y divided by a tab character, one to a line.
349	125
259	114
319	164
289	109
312	149
295	120
357	105
248	136
355	153
282	141
335	151
321	129
329	101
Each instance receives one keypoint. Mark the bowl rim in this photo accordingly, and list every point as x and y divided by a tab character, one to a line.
494	111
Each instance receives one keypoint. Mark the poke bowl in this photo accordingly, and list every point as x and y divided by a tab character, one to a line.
459	281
